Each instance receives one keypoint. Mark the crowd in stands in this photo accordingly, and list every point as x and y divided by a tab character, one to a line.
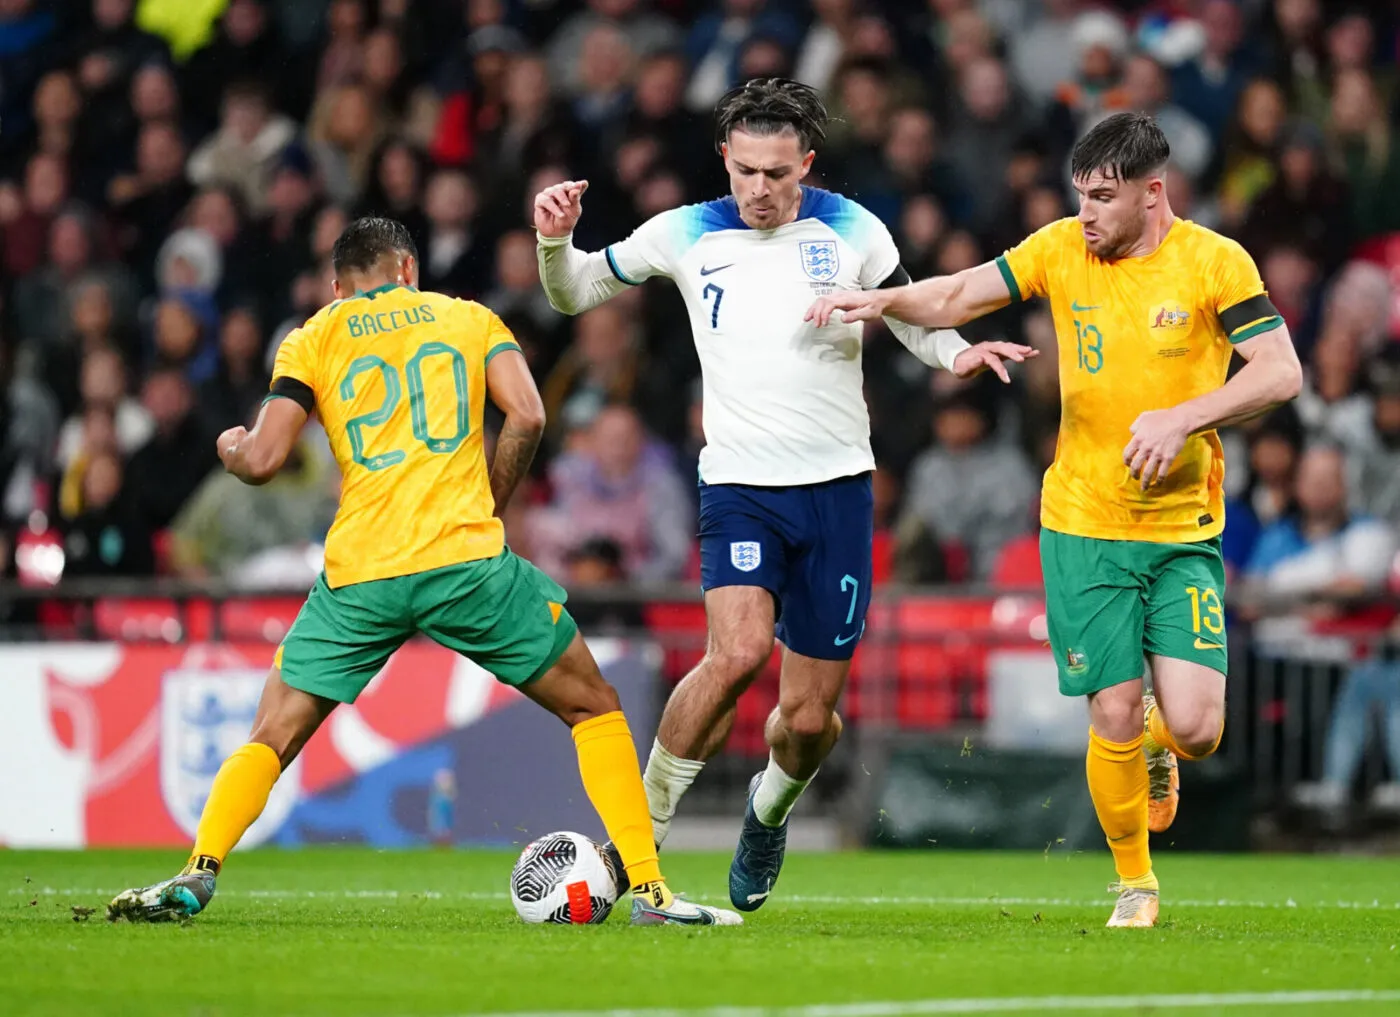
173	175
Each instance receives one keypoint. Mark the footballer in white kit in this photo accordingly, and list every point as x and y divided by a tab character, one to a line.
785	492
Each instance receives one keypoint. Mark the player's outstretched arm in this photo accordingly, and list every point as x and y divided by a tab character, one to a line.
573	280
1270	377
944	301
255	456
512	389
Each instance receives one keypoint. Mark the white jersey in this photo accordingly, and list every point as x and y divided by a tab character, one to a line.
783	399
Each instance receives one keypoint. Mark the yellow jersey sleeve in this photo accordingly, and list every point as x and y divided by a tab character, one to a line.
1240	300
296	356
1026	267
499	338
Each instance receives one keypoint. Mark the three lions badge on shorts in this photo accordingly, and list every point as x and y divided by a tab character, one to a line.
745	555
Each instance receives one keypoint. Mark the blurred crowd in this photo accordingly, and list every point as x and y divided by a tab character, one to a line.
173	175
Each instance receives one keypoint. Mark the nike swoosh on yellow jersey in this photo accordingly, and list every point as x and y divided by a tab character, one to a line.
1201	644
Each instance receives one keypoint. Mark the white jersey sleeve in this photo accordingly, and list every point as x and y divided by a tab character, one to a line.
649	251
935	347
575	281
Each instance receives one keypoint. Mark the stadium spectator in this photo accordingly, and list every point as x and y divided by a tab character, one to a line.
146	202
1372	686
244	151
1251	149
1275	444
716	39
43	299
1305	206
106	538
1362	145
646	33
396	187
227	525
617	485
1043	55
987	127
239	383
518	294
26	215
104	390
970	493
600	367
244	49
1320	549
1208	86
1378	464
454	256
344	132
167	469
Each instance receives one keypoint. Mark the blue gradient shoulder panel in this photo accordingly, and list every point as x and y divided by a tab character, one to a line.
847	219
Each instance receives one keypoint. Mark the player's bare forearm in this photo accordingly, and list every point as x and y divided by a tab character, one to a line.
251	464
944	301
515	451
1271	377
255	456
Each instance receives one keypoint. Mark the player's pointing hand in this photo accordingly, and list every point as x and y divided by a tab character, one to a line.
558	208
991	356
853	305
1158	438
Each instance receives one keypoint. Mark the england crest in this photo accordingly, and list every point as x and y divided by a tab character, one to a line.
205	714
745	555
819	259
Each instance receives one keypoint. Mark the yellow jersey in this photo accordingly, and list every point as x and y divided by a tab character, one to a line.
398	378
1137	334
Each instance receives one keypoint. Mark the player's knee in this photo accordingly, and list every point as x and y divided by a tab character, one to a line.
1199	734
737	660
1116	717
807	718
594	699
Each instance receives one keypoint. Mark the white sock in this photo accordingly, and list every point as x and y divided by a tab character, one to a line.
667	777
776	795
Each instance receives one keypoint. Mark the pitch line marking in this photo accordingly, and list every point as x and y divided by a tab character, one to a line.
1290	904
1001	1004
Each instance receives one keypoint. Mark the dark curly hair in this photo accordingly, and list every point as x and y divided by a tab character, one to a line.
765	106
366	240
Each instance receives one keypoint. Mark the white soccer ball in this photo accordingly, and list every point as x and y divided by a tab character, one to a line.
565	879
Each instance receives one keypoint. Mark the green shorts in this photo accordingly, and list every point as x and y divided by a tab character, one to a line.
502	613
1107	602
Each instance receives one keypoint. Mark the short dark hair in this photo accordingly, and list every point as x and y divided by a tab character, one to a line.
366	240
764	106
1125	146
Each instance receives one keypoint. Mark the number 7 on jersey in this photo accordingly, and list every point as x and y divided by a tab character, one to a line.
714	310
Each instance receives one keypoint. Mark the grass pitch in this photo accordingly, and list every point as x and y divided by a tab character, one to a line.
357	933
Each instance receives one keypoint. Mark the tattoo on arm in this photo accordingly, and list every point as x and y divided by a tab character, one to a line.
515	450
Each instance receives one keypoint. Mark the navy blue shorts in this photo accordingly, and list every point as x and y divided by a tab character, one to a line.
809	546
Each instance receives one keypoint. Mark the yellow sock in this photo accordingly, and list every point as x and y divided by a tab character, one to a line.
607	761
1159	736
1118	785
235	802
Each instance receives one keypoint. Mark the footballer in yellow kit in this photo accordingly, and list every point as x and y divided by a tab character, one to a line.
400	380
1148	310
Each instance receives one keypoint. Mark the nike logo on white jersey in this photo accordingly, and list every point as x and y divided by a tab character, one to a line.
717	268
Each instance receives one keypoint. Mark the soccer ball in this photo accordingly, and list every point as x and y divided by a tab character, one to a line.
565	879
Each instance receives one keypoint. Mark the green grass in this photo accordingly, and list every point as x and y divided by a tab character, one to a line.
320	933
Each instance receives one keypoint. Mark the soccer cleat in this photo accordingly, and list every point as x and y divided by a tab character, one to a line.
758	858
647	911
177	899
1136	909
1163	779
